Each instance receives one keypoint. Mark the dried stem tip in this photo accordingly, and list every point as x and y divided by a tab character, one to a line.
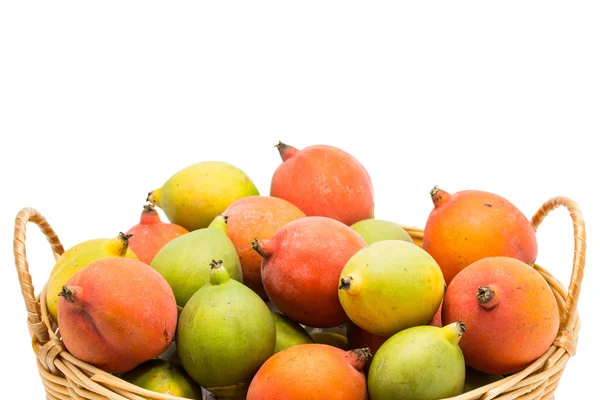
67	294
216	264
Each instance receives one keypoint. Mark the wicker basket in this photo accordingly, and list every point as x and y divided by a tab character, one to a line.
66	377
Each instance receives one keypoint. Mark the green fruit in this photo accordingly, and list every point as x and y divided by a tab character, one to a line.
391	285
194	196
224	334
289	333
164	377
185	261
376	230
423	362
331	338
475	379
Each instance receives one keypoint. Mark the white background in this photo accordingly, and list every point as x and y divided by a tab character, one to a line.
100	104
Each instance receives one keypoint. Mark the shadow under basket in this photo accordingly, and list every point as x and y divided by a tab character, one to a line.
66	377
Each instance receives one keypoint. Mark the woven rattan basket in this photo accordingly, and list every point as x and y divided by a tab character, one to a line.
66	377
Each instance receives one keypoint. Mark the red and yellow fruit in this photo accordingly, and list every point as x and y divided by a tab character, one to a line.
256	217
151	234
117	313
77	257
511	312
324	181
467	226
301	268
312	371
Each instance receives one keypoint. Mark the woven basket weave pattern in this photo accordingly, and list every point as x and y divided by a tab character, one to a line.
66	377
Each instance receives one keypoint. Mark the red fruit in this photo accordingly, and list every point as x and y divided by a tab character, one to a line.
312	371
151	234
256	217
324	181
301	268
510	310
467	226
437	318
359	338
117	313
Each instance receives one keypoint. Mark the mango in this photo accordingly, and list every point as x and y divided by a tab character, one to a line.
164	377
376	230
389	286
77	257
195	195
185	261
117	313
288	332
423	362
225	333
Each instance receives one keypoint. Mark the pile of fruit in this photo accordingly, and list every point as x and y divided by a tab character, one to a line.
304	293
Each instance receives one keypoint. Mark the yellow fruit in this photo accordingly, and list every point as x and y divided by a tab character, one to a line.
78	257
389	286
197	194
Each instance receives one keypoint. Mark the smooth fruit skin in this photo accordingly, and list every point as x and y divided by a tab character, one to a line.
225	333
376	230
185	260
77	257
195	195
467	226
311	371
359	338
331	338
256	217
151	234
515	327
389	286
423	362
288	332
164	377
324	181
301	269
117	313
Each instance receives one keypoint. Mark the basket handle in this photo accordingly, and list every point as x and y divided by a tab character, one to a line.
578	259
34	318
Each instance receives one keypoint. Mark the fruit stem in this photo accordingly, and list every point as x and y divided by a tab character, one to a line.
218	273
261	247
118	246
149	215
350	284
70	293
220	223
358	358
438	196
286	151
487	297
154	197
454	331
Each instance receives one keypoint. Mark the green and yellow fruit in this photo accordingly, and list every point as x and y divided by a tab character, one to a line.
376	230
78	257
194	196
225	333
164	377
289	333
331	338
185	261
423	362
389	286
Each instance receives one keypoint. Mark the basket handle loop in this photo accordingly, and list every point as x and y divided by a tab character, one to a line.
34	318
579	257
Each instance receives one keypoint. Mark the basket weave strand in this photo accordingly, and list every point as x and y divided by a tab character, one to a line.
65	377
